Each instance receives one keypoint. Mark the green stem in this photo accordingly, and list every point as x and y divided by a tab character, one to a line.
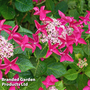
40	3
36	67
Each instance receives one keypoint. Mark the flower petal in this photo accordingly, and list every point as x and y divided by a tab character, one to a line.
62	15
48	19
15	29
6	61
17	35
48	53
40	88
68	58
56	51
53	79
37	24
81	41
6	26
86	88
2	22
0	74
36	11
7	69
25	39
15	67
62	59
27	45
10	37
12	88
70	48
16	76
88	82
38	45
14	60
7	30
61	46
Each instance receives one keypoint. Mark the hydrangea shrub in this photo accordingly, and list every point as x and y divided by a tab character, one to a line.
55	56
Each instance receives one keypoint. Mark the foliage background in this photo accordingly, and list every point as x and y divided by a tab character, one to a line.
20	12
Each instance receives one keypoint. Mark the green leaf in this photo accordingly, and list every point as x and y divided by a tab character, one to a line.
69	82
24	75
50	5
71	87
24	30
7	12
71	74
49	60
28	34
23	63
34	85
82	81
87	70
24	5
72	4
40	69
62	6
57	69
59	85
11	23
2	87
88	60
78	49
74	66
57	57
89	4
82	3
4	34
33	61
74	13
41	53
86	48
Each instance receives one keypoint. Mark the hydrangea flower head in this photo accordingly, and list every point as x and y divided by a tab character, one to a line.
6	49
82	63
59	33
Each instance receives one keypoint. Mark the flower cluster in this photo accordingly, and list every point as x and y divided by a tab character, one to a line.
6	49
59	33
55	30
49	81
82	63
